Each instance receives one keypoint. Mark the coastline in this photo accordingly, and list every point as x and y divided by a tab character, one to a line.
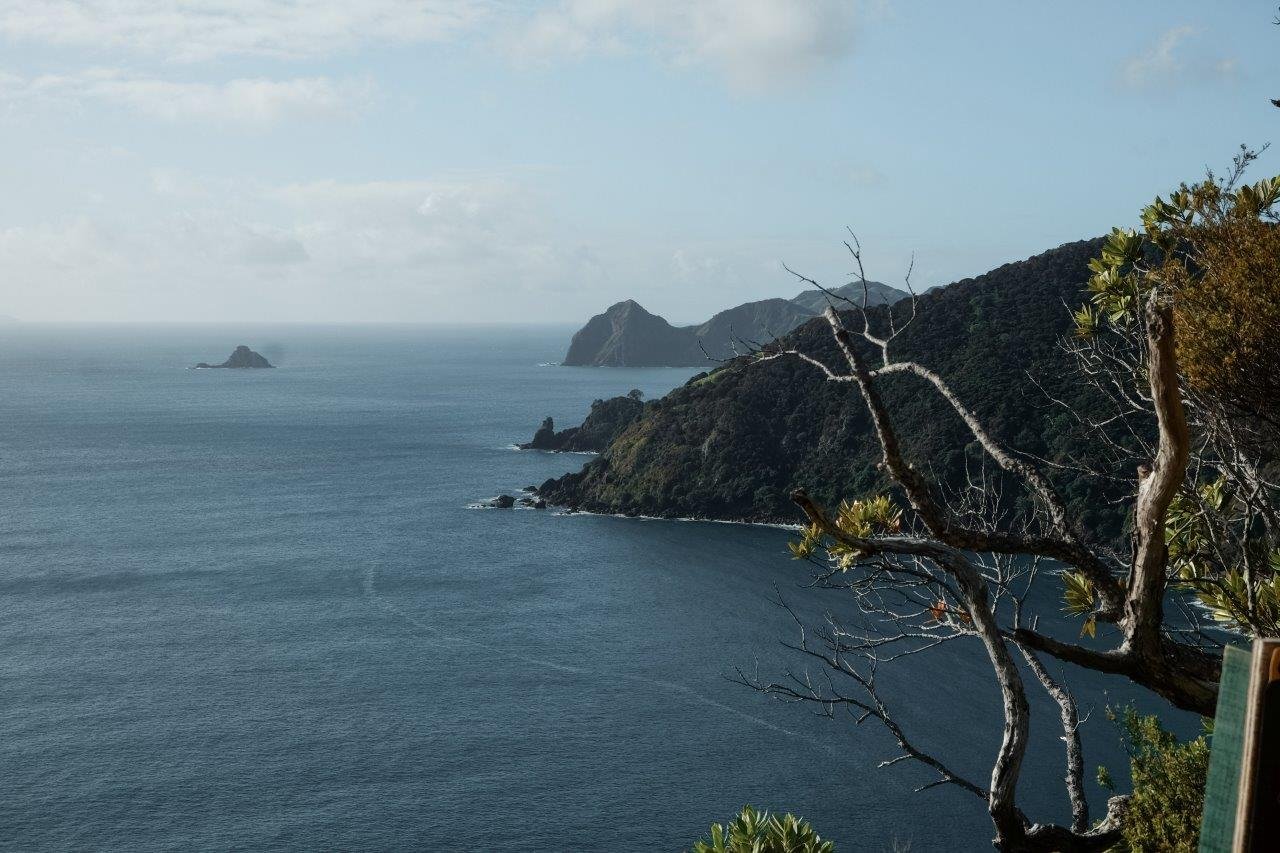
561	511
543	450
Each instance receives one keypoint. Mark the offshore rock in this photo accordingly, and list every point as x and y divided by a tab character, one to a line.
242	357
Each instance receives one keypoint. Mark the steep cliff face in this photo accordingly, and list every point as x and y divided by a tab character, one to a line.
732	444
626	335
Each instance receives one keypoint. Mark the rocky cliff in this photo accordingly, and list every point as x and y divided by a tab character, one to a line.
626	335
733	443
602	425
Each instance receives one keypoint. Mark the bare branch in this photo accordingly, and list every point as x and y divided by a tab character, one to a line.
1144	604
1071	737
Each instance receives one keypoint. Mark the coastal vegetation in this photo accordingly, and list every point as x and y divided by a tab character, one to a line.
1169	423
760	832
1168	778
733	443
949	453
602	425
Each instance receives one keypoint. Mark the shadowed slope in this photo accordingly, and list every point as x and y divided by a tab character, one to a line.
734	443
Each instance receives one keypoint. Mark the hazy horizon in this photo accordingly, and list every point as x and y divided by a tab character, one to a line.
480	160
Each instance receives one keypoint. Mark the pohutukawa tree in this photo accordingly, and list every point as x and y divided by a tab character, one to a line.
1179	340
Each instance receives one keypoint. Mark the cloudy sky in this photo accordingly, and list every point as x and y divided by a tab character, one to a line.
494	160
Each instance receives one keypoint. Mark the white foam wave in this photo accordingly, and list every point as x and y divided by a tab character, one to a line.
777	525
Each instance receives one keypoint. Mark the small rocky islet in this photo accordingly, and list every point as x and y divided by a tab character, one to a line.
241	358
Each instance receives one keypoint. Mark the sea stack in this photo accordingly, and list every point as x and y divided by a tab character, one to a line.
243	357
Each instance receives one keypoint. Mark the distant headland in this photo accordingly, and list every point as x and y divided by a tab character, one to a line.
243	357
626	335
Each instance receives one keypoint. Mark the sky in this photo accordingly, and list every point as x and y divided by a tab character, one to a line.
481	161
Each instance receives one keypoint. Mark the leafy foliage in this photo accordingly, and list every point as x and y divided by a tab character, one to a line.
1212	251
1230	317
1169	778
1079	597
859	519
759	832
1204	562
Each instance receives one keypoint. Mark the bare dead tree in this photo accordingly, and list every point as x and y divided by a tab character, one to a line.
942	570
958	567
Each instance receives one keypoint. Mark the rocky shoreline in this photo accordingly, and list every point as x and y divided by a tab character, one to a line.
530	500
602	425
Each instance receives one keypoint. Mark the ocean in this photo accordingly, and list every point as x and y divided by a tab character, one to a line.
256	610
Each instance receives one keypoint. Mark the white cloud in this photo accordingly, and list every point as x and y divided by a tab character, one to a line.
754	43
866	177
74	244
1160	62
196	30
475	224
260	246
1166	63
466	248
248	101
691	266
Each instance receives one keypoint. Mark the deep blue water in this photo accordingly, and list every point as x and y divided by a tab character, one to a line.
252	610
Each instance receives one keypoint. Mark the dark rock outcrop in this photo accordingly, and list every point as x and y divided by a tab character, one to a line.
546	438
243	357
626	335
733	443
502	502
606	419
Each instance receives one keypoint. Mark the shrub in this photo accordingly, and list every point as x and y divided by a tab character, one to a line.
1169	777
760	832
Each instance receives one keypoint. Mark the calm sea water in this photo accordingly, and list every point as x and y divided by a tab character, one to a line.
252	610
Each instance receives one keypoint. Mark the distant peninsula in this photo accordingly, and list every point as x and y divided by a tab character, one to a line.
243	357
626	335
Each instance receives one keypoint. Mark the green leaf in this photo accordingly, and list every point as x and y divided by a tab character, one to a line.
1077	593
